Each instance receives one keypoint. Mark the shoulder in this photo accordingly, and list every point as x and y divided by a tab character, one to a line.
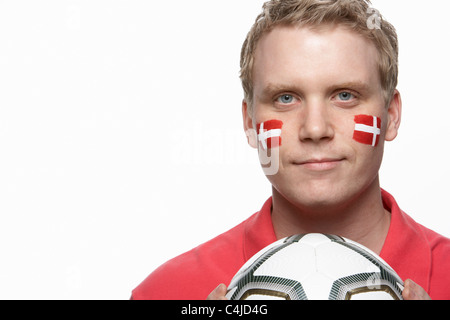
194	274
438	245
440	264
416	252
437	258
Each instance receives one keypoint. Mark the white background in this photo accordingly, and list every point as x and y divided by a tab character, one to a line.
121	142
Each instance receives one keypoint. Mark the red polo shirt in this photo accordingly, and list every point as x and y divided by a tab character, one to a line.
412	250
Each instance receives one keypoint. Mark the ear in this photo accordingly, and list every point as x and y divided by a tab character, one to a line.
248	125
394	116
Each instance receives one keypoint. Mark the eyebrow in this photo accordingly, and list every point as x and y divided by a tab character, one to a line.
272	89
359	86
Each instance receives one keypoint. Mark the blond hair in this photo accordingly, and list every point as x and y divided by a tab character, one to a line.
357	15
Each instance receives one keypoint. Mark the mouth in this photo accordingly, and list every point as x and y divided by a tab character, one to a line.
320	164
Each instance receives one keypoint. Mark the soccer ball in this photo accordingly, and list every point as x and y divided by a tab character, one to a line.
315	267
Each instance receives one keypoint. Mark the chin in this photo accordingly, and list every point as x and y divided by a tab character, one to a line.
317	199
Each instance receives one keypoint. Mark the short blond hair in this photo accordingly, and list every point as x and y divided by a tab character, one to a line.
353	14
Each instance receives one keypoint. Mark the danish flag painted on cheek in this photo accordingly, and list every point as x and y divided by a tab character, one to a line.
269	134
367	129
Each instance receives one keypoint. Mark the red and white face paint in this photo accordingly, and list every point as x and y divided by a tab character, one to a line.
269	134
268	141
367	129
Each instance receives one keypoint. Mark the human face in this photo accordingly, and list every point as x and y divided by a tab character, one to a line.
316	81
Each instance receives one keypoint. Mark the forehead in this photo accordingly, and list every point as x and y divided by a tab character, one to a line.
313	58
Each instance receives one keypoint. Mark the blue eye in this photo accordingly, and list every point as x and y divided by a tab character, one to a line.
345	96
286	99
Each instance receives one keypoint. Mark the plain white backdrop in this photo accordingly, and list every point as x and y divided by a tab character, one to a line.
121	140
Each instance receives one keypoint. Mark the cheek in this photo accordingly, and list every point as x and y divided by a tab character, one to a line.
367	129
367	164
366	159
368	142
269	134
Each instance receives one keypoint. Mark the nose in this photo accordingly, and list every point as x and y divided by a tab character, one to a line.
315	123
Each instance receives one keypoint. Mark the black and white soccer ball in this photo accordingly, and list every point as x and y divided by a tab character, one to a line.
315	267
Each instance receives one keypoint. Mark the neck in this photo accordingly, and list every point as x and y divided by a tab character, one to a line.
363	220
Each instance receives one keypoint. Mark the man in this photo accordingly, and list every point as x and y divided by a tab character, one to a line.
319	81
